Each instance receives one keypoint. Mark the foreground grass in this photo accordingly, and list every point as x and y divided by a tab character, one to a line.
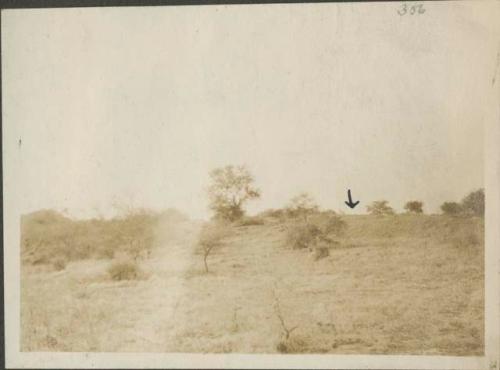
394	285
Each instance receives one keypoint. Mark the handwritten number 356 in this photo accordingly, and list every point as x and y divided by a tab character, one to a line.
411	9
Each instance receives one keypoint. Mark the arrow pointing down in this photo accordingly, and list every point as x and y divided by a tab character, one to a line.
349	202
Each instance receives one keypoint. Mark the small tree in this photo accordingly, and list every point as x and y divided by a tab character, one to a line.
230	188
380	208
302	205
414	206
451	208
473	203
211	236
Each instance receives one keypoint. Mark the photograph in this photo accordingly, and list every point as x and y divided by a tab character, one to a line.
249	186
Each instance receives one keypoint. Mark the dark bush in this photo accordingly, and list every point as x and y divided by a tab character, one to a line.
473	204
59	264
451	208
380	208
414	206
124	270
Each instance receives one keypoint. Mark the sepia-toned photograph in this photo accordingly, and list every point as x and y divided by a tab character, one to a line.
280	179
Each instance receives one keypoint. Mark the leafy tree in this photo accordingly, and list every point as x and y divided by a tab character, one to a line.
302	205
414	206
451	208
230	188
473	203
380	208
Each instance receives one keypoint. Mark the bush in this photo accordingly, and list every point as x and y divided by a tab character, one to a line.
124	270
302	235
451	208
473	204
250	221
331	225
59	264
293	345
380	208
279	214
46	235
318	232
212	234
302	206
414	206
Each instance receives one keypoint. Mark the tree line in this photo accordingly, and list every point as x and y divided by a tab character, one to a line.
231	187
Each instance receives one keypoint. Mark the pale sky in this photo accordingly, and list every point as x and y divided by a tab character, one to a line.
137	105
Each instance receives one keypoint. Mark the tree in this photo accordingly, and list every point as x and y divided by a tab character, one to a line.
414	206
230	188
212	236
302	205
380	208
473	203
451	208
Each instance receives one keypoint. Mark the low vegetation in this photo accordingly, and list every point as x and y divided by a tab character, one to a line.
373	293
301	206
414	206
124	270
250	221
380	208
410	283
285	343
50	238
471	205
319	232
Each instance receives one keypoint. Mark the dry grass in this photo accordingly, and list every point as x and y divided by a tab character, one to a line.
406	284
124	270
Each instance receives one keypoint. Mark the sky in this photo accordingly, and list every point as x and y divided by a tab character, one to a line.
134	106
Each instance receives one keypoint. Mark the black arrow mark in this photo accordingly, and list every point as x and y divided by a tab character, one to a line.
350	203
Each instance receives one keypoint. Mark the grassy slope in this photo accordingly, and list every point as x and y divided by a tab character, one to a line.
398	285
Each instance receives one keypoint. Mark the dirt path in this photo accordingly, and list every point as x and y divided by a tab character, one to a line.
160	296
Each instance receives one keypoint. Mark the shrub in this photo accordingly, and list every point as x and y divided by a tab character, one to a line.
380	208
124	270
473	204
414	206
47	235
250	221
279	214
295	344
331	225
302	235
451	208
59	264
